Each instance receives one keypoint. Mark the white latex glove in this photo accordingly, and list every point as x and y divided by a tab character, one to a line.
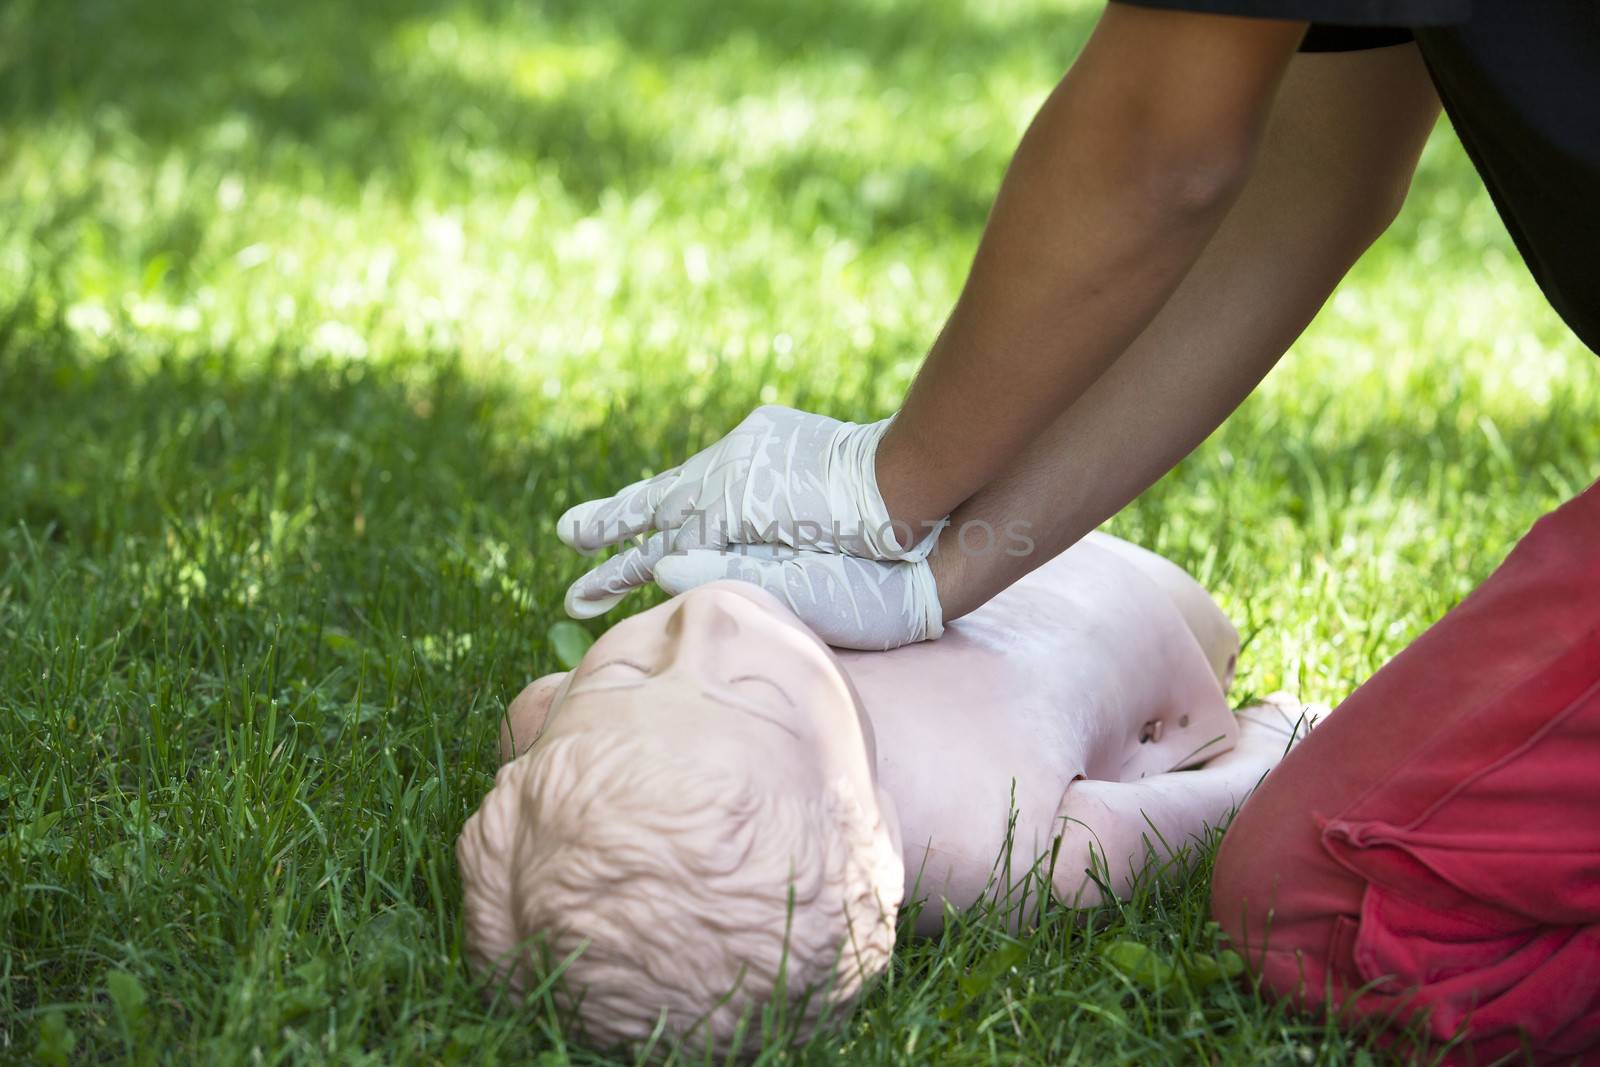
849	602
781	476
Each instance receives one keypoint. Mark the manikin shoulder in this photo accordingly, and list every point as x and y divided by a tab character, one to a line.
1204	617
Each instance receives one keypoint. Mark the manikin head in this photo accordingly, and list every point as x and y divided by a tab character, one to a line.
697	818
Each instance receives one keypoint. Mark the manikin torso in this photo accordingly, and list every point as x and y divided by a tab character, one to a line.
1085	668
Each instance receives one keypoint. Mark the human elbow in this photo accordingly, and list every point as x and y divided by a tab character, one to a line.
1184	162
1377	200
1192	181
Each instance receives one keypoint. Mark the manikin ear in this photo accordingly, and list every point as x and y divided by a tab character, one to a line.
524	719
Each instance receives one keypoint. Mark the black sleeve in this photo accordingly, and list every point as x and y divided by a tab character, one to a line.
1385	13
1326	37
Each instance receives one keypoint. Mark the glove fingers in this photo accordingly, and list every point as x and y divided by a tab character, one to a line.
604	587
683	571
594	524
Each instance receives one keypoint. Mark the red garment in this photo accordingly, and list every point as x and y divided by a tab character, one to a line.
1431	853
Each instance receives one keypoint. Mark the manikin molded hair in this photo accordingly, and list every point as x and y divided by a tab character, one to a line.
686	889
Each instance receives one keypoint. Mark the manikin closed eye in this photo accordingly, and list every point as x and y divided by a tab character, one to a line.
767	683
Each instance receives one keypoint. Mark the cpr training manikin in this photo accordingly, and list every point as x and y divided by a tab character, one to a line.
714	809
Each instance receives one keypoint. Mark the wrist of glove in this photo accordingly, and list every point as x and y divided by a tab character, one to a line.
852	477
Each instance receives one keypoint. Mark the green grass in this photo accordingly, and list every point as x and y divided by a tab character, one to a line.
313	316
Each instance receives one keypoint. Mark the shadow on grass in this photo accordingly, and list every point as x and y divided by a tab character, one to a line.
320	76
369	512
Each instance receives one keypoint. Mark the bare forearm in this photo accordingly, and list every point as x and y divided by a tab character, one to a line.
1212	345
1117	186
1338	154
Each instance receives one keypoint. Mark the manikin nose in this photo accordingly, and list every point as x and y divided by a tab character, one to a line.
701	624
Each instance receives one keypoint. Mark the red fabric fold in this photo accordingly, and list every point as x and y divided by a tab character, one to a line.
1482	909
1431	854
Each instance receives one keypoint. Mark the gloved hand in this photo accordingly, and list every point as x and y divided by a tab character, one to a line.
782	477
849	602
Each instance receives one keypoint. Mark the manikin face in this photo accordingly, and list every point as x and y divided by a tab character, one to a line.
724	672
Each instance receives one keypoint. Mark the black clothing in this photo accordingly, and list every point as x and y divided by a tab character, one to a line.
1521	83
1520	80
1337	12
1332	37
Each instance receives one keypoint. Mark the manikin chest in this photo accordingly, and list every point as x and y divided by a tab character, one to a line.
1084	669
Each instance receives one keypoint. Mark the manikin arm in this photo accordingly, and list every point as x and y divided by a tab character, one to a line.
1113	828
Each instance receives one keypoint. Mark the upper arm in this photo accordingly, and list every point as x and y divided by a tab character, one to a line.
1183	84
1342	145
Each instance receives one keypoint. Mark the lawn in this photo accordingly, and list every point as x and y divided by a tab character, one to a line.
313	316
